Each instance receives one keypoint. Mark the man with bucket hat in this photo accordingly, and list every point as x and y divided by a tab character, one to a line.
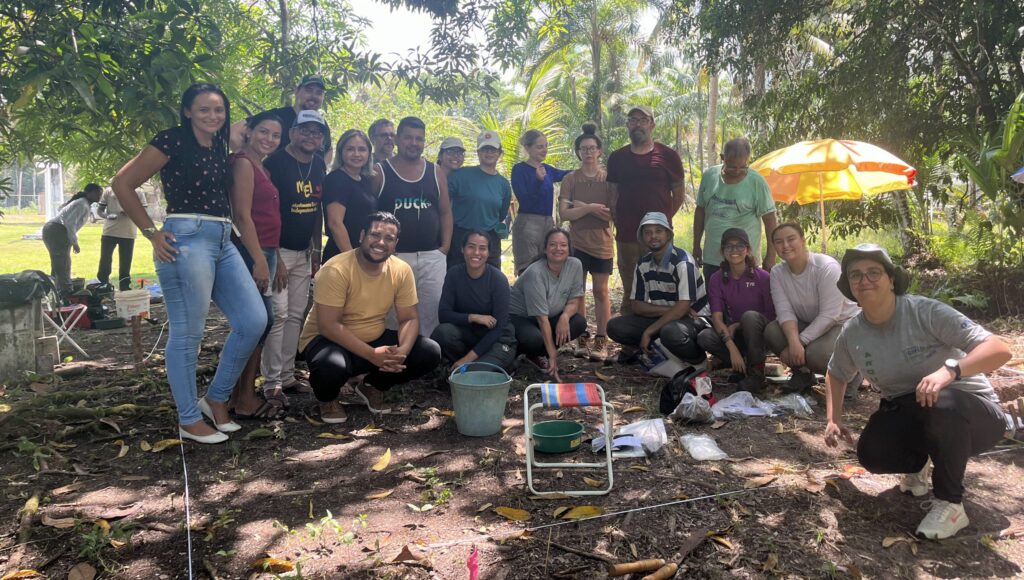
668	297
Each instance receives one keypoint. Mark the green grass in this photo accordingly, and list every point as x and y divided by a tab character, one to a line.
17	254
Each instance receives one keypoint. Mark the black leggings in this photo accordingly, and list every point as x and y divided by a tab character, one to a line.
901	435
531	341
331	366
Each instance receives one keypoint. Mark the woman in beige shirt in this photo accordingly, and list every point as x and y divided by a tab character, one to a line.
588	203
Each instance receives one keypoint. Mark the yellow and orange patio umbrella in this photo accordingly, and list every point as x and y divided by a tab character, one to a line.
827	169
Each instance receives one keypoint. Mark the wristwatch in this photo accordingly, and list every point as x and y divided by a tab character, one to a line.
953	365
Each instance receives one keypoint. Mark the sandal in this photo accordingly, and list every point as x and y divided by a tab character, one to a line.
268	410
277	394
298	386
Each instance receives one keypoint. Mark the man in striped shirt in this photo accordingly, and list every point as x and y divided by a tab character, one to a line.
669	298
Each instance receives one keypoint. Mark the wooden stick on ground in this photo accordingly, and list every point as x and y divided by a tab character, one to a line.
590	555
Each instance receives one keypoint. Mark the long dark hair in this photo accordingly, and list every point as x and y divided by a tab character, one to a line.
189	145
543	255
81	194
726	268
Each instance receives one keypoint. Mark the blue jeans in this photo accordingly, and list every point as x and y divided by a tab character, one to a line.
207	266
268	297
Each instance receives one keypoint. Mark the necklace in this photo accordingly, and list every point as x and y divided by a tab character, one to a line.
308	170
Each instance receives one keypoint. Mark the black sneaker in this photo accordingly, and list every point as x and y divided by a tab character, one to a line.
800	381
753	383
628	356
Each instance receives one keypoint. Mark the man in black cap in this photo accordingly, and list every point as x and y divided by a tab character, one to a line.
309	96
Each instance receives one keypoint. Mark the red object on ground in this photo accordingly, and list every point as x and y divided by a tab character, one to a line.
473	564
84	323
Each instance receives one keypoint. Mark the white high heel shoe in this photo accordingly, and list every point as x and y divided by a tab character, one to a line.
229	427
208	439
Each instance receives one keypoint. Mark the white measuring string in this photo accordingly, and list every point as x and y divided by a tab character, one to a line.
188	513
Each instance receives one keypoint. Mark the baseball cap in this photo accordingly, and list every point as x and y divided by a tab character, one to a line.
656	218
309	117
643	109
452	143
737	234
488	139
312	80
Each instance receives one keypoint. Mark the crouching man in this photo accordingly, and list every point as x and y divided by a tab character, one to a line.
668	298
344	334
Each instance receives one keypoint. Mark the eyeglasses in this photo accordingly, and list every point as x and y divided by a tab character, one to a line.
311	132
455	152
638	121
873	275
734	248
590	149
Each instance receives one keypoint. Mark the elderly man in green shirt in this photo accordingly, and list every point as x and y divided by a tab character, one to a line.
730	196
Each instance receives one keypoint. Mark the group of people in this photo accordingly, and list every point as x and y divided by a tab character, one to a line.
410	276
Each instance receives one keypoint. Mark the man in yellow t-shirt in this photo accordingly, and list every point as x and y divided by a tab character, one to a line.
344	334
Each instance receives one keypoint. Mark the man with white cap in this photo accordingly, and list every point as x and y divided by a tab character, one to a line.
668	294
451	155
298	173
648	177
309	96
480	199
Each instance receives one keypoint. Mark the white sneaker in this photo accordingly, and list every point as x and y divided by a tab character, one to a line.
917	483
943	521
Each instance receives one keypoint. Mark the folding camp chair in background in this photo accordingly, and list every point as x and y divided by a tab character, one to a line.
63	322
562	395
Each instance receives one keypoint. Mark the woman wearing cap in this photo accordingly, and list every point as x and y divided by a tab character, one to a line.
480	198
546	301
347	198
927	360
452	154
741	307
533	182
60	234
809	308
194	260
588	202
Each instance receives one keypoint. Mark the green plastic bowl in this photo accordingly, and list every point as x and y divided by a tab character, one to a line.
557	436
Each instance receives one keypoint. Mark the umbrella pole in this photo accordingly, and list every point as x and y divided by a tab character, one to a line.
821	206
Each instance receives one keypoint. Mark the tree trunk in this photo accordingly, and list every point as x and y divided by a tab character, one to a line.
700	129
285	55
712	116
594	97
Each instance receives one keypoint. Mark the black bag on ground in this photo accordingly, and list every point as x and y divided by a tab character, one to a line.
683	382
24	287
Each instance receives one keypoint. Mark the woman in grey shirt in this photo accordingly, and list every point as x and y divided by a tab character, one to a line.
927	359
545	303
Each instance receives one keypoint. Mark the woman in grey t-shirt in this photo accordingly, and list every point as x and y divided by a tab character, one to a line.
927	359
545	303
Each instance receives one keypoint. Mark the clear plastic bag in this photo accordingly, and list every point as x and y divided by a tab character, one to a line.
693	409
742	404
794	403
702	447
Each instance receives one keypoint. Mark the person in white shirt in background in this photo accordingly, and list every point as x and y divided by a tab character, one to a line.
60	235
119	231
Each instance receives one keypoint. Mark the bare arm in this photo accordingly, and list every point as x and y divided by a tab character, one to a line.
678	197
771	220
678	310
408	328
136	172
698	233
236	140
329	323
444	204
986	357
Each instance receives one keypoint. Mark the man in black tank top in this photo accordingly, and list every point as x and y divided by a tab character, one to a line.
408	187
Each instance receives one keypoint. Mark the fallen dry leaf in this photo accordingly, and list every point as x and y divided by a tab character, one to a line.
719	424
593	482
145	446
721	541
582	512
514	514
66	489
484	507
771	563
111	423
407	555
123	450
165	443
117	544
104	525
135	478
892	541
813	485
758	481
603	377
383	462
851	471
59	523
558	511
312	421
82	571
274	565
639	468
380	494
333	436
636	409
780	428
261	433
40	388
21	574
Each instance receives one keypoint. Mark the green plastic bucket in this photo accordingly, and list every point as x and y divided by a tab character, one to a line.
557	436
479	398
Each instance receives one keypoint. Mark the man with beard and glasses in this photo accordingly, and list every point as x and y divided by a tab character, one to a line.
647	176
309	96
669	299
382	137
345	335
409	186
298	172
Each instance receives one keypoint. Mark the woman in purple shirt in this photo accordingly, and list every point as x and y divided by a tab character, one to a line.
741	307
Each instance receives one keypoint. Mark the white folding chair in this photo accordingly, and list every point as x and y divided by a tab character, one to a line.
68	320
561	395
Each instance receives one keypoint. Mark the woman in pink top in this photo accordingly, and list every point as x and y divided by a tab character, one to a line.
741	308
256	214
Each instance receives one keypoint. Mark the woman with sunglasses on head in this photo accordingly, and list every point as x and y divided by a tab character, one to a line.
741	307
347	198
809	308
588	202
928	361
195	259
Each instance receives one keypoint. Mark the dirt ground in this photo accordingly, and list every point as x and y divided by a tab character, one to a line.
82	493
